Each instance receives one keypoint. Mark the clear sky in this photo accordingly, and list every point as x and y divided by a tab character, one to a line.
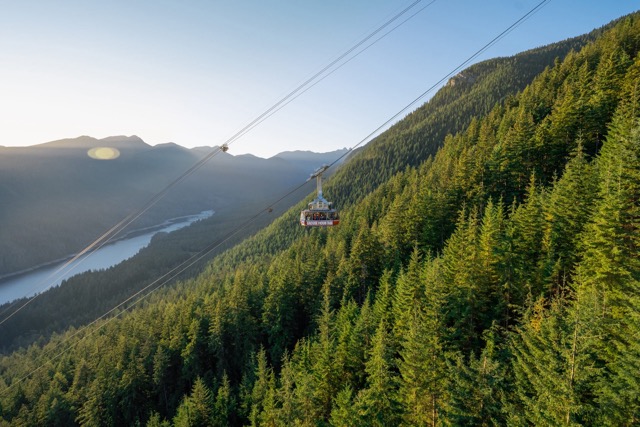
195	72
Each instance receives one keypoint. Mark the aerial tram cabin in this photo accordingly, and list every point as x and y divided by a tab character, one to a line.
320	213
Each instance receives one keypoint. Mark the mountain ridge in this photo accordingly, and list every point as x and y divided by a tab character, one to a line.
493	282
134	141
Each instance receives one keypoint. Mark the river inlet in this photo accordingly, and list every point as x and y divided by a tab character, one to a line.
38	280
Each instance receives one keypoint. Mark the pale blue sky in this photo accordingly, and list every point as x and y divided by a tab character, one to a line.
195	72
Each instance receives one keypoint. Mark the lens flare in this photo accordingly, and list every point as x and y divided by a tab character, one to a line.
104	153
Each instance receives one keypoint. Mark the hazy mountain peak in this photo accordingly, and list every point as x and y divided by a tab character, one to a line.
85	141
168	145
80	141
123	138
305	153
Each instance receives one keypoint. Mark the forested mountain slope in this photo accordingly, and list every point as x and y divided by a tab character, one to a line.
471	93
54	180
496	283
410	142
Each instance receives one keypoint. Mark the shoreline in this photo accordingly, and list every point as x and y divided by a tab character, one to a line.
128	235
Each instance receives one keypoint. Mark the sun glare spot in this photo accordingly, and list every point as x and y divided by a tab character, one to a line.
104	153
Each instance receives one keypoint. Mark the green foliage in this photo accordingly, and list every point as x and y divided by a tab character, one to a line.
495	282
376	402
610	268
422	382
566	207
478	385
197	408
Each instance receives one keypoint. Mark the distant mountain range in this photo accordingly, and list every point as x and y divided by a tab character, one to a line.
485	272
55	198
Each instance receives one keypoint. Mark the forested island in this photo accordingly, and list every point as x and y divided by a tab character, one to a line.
485	272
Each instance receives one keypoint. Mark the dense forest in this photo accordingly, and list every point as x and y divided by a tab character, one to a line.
496	281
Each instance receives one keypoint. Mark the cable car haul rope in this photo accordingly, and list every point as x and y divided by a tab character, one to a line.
319	213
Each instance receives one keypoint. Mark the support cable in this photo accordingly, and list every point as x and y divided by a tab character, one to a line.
110	234
155	285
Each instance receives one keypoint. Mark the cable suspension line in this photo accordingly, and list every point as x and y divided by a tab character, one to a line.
155	285
110	234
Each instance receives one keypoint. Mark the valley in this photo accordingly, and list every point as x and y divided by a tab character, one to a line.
485	271
26	284
57	199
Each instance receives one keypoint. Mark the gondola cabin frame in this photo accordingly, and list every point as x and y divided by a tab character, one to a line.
319	212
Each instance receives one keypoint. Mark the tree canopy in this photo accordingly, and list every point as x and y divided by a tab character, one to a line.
494	280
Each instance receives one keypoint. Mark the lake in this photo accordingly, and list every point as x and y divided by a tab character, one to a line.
38	280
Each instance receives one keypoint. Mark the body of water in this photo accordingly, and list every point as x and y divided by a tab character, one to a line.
38	280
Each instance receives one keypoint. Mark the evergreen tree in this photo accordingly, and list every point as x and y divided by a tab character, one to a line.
224	407
422	373
525	233
324	370
478	385
344	413
408	296
556	363
491	276
460	271
566	211
197	408
289	412
349	353
376	403
53	407
156	421
422	380
365	263
262	388
360	342
99	404
611	267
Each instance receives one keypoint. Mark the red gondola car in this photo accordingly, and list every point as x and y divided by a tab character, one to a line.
320	213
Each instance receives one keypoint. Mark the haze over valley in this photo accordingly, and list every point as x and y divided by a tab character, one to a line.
56	199
477	265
